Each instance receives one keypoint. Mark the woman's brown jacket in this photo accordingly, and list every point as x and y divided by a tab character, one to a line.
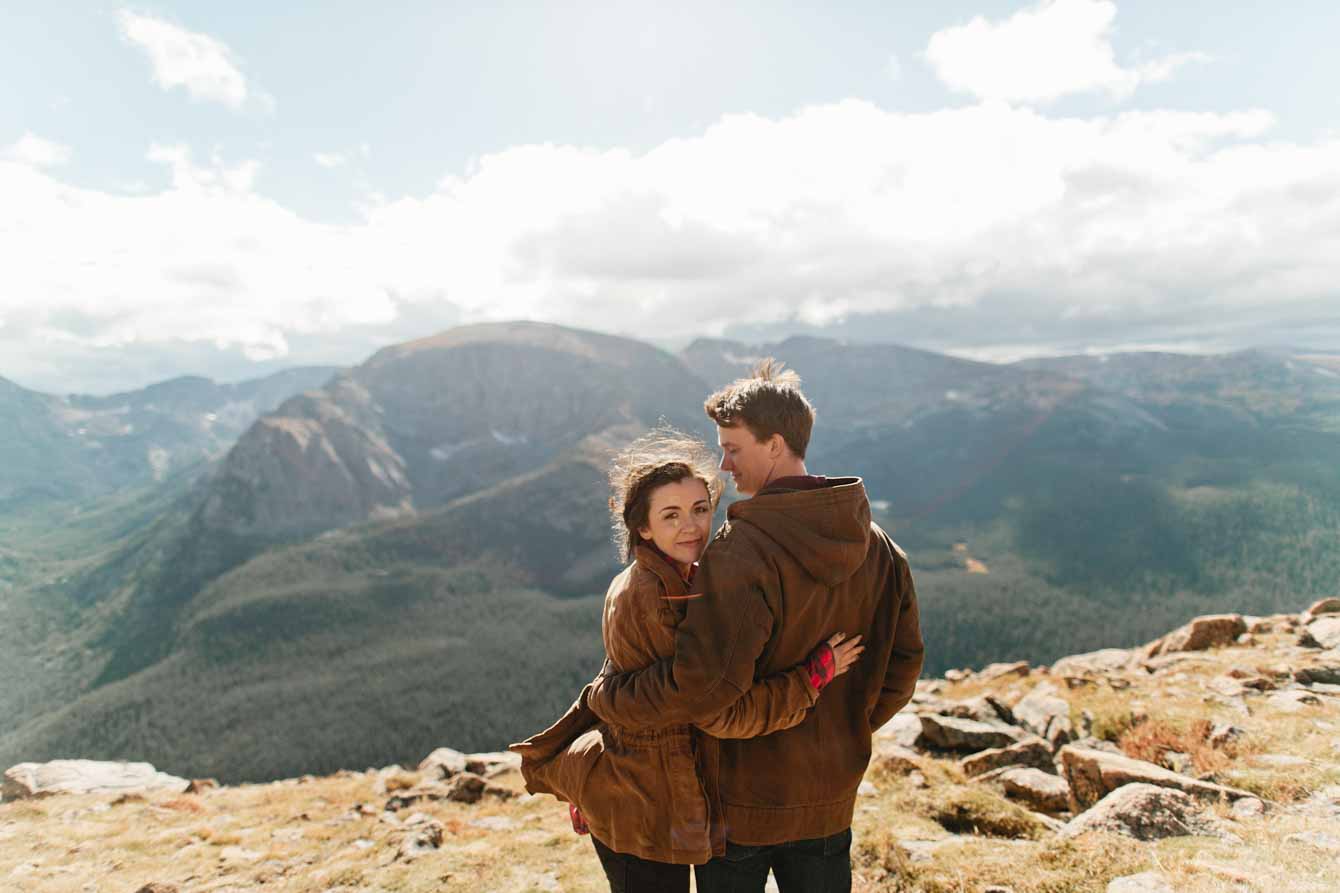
653	794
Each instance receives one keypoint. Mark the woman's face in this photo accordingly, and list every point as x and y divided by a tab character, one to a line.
680	519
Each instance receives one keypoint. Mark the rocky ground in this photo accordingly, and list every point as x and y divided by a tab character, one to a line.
1208	760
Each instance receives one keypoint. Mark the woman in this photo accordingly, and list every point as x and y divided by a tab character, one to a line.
647	798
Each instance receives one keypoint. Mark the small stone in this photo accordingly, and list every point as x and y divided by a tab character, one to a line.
917	780
1178	762
158	887
1319	840
422	839
200	785
895	759
1144	882
1292	701
866	789
1248	808
997	888
1222	733
956	675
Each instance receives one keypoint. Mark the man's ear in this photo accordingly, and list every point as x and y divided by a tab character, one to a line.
776	446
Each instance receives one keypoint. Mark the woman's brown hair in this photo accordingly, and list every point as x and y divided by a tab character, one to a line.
662	456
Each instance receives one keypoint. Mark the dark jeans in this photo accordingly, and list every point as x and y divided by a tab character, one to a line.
629	874
800	866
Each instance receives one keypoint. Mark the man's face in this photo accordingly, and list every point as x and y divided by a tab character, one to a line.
748	461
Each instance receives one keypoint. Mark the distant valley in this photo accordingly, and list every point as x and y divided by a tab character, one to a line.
413	550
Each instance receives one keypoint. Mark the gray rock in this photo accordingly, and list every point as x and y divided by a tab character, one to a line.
999	670
1209	631
1320	674
1320	607
1248	808
1144	812
1040	790
904	729
86	777
1045	714
1318	840
983	708
1222	733
493	763
1292	701
422	838
1093	663
1093	774
1031	751
1324	632
444	763
1144	882
895	759
952	733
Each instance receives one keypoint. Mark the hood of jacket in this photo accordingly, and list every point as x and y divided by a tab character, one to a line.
825	530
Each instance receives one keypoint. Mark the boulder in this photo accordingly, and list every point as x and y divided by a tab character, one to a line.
1031	751
1093	663
1040	790
1045	714
1318	674
1292	701
494	763
1320	607
467	787
1222	733
1209	631
952	733
422	837
999	670
896	760
443	763
86	777
1145	812
1144	882
1324	632
983	708
1093	774
904	729
1248	808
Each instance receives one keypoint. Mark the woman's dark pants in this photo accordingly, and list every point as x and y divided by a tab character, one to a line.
800	866
629	874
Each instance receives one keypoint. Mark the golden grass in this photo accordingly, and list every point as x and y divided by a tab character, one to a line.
307	837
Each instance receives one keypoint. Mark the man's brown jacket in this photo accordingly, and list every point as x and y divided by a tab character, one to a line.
788	569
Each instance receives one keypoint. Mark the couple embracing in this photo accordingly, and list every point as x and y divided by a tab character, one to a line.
732	722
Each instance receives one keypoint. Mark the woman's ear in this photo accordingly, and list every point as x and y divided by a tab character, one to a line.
645	533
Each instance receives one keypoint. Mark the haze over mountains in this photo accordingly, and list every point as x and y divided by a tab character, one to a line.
414	551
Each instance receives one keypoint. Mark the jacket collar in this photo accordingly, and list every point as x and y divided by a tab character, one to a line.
658	564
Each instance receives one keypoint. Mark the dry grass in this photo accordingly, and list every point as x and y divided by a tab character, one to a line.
933	834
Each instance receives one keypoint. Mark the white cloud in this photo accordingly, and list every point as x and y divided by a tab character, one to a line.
1044	52
202	64
33	150
1146	225
330	160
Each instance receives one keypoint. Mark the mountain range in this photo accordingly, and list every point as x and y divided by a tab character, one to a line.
414	549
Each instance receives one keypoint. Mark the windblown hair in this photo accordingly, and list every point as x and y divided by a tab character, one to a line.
662	456
768	402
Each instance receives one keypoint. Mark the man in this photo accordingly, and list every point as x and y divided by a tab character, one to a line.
795	562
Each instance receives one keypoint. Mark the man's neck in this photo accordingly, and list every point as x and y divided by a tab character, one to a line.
790	468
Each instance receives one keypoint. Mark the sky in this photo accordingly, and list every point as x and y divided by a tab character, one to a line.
229	189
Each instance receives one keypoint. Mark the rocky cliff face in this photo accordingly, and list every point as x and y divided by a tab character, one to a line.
76	446
422	423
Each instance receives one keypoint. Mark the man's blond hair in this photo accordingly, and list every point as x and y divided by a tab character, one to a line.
768	402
